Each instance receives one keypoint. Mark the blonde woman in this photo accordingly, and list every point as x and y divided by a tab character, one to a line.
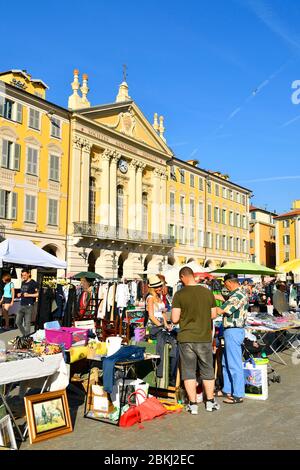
154	304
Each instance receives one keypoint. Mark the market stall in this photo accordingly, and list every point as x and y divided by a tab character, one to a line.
25	253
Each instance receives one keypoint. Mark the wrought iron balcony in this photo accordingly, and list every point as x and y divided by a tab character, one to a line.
107	232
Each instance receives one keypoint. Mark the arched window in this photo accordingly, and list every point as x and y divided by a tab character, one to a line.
92	201
120	206
145	213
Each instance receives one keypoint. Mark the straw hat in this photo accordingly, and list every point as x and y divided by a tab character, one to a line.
154	281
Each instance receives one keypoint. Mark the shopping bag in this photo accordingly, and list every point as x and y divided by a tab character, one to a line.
130	417
256	379
150	408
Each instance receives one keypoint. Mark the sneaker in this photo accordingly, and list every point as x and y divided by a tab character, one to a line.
212	405
193	409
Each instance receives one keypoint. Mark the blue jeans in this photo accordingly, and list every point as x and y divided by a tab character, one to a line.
232	362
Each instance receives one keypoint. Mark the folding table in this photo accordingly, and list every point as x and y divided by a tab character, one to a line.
27	369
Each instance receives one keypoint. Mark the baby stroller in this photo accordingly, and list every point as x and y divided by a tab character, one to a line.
256	349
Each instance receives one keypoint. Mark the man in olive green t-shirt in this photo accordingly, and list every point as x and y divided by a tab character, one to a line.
193	308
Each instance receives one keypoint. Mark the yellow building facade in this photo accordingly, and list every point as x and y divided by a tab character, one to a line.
99	186
262	237
288	234
34	153
208	215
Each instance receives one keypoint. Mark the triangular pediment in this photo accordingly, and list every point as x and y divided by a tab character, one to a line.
127	119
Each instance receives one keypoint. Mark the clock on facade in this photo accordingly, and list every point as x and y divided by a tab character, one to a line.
123	166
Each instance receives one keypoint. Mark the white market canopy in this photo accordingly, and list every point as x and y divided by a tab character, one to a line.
26	253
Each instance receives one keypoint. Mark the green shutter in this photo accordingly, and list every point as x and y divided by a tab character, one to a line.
4	159
16	163
2	203
14	204
19	112
2	105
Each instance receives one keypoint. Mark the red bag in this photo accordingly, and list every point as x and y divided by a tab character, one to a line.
150	408
130	417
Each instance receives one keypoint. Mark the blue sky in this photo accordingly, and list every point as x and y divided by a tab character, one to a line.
219	71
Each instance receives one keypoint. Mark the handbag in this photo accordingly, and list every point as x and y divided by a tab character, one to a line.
130	417
150	408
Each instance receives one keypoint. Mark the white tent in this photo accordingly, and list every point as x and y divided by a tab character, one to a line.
26	253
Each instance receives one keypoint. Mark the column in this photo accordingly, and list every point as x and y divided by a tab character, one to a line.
104	205
155	203
113	189
132	196
85	181
75	181
163	205
139	190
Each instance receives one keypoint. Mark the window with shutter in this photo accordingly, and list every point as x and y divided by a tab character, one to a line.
172	202
34	118
55	127
2	204
209	212
1	105
30	208
52	213
201	210
17	157
224	216
13	206
192	208
5	153
19	112
8	109
54	168
32	161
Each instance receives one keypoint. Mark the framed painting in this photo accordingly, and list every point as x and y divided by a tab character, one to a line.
7	435
47	415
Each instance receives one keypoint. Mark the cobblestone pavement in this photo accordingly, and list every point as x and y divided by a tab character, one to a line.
271	424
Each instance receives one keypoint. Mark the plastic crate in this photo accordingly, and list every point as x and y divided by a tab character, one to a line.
67	336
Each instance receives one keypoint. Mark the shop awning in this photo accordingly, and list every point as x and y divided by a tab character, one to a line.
26	253
290	266
246	268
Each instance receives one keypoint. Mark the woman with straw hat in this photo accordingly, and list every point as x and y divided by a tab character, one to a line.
154	304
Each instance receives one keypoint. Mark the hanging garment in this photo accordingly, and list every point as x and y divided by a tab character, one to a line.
71	306
110	297
102	294
44	313
133	292
122	295
60	301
